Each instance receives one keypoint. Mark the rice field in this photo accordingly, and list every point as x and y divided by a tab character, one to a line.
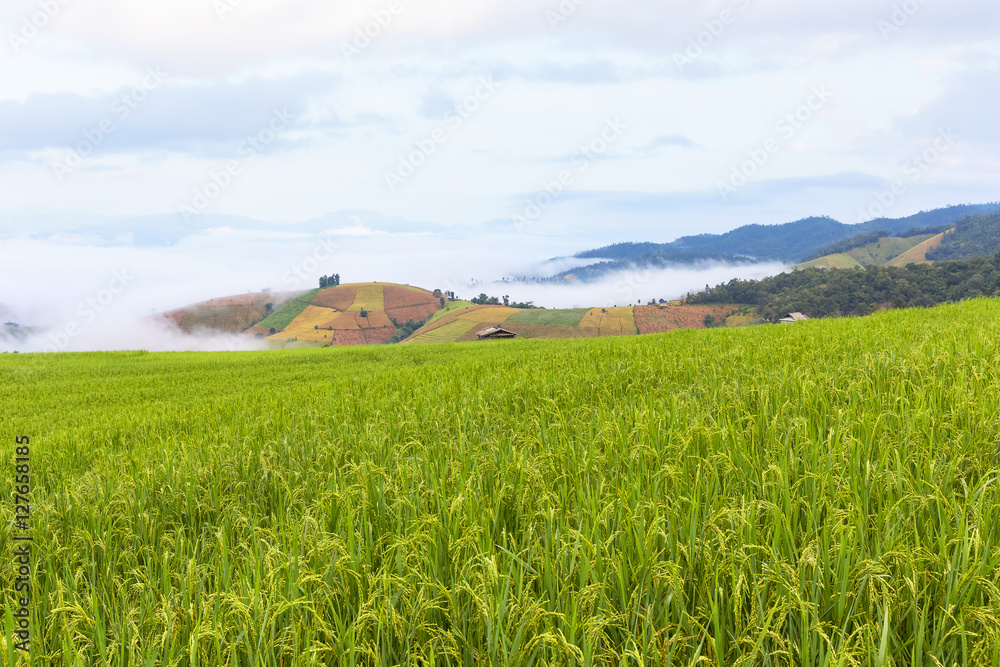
820	494
569	317
446	333
618	321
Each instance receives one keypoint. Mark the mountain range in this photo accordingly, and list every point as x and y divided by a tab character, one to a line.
791	242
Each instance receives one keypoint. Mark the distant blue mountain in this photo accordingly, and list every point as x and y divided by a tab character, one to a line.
789	242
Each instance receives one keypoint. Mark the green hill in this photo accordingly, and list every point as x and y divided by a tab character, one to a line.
839	292
350	314
974	237
875	253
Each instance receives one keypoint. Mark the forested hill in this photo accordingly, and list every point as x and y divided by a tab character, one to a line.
973	237
790	242
840	292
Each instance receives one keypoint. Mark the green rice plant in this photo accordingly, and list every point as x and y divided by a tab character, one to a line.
567	317
820	494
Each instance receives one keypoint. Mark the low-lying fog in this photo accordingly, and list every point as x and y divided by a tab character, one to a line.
101	298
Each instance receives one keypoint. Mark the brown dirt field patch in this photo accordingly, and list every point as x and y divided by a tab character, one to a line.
340	297
342	322
408	297
652	319
415	313
353	321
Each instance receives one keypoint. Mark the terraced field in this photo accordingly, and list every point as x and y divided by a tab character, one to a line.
368	297
654	319
333	316
570	323
563	318
448	332
618	321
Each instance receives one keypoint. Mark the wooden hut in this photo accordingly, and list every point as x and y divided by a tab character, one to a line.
495	333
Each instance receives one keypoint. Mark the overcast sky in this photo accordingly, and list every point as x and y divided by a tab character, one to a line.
534	127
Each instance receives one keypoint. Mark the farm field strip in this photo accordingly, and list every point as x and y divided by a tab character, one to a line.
303	326
615	321
368	297
446	333
491	314
339	298
556	317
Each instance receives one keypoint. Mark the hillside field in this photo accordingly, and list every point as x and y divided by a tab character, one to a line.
886	251
355	314
820	494
460	324
231	314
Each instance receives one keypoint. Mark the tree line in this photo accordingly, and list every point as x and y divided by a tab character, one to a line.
484	300
847	292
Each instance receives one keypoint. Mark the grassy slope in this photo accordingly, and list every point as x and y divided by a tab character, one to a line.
449	307
918	253
284	315
818	492
838	261
881	252
885	249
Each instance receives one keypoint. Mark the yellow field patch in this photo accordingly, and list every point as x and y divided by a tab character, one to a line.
375	319
304	325
498	314
368	297
611	321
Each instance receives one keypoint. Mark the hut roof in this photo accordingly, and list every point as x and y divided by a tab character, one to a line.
495	332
